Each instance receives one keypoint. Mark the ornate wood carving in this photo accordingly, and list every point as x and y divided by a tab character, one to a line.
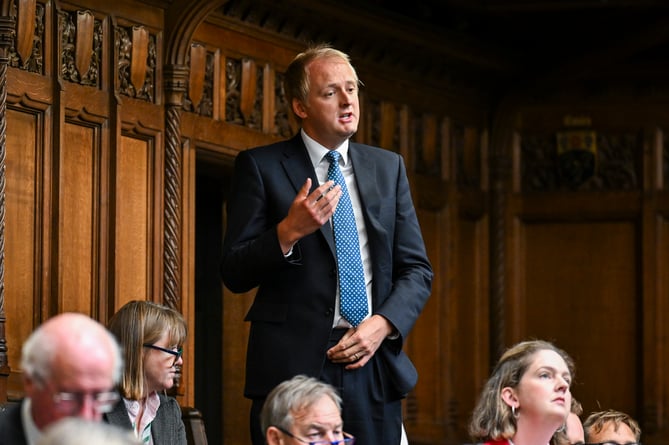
283	112
200	95
25	28
233	73
176	77
137	59
26	51
7	23
81	41
500	172
84	48
198	61
618	164
139	53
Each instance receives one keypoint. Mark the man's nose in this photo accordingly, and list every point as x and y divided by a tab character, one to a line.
88	409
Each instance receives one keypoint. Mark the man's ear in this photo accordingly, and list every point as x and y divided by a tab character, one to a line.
509	396
29	385
298	109
273	436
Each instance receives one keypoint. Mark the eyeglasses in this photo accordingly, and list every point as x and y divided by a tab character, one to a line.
348	439
176	353
71	403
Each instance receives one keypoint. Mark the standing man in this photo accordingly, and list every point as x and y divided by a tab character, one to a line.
325	308
71	365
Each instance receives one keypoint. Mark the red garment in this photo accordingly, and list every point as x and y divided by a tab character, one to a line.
497	442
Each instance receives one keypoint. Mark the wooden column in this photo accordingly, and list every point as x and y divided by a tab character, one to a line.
176	78
7	26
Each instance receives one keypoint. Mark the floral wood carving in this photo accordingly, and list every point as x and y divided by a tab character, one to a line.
137	59
200	95
27	49
618	164
81	41
283	113
233	73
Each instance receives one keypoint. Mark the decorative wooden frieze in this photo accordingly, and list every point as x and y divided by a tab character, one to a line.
618	164
254	120
427	149
282	111
200	95
233	95
27	49
81	53
467	145
136	62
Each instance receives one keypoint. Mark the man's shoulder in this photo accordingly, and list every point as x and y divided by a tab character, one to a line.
275	148
371	150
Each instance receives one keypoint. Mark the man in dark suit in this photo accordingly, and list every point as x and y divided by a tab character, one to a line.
279	238
71	365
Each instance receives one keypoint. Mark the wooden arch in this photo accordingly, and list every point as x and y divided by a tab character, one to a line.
182	19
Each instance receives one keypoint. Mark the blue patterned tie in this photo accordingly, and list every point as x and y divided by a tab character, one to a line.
352	291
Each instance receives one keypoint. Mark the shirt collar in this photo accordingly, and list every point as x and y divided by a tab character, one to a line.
33	434
317	151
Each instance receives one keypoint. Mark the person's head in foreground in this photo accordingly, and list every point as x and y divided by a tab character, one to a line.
76	431
71	365
303	410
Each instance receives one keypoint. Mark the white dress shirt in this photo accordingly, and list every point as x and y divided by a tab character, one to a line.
317	154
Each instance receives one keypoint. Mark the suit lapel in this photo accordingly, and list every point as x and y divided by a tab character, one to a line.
297	165
119	416
368	187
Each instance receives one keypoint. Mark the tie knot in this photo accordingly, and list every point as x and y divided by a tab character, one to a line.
333	156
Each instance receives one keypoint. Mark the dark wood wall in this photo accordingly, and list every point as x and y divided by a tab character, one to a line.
122	123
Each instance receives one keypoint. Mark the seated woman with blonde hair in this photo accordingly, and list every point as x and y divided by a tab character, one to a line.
151	336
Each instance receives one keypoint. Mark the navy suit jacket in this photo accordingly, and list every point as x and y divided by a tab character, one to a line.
11	426
167	428
292	314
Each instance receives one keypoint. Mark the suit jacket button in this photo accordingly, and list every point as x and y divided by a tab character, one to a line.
329	311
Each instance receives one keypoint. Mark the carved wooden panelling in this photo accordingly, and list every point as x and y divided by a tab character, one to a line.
137	57
427	145
77	220
81	41
27	50
283	114
467	145
202	78
22	254
134	204
617	164
233	94
256	118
